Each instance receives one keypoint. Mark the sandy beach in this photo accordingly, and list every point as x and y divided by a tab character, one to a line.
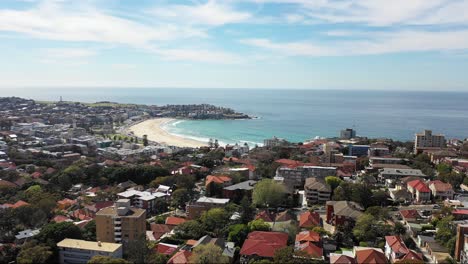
153	128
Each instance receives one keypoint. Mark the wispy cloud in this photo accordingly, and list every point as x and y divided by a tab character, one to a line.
211	13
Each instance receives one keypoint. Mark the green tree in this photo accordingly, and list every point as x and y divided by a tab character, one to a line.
215	220
208	254
53	233
107	260
191	229
268	193
247	210
89	231
155	258
36	254
180	197
137	250
399	229
145	140
238	233
333	182
258	225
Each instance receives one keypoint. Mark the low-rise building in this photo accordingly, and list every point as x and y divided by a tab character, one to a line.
204	204
262	245
317	190
75	251
342	212
441	190
421	193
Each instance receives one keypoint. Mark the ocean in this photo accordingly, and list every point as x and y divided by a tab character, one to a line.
296	115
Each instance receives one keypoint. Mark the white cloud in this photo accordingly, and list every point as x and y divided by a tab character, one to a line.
50	20
68	53
199	55
377	43
212	13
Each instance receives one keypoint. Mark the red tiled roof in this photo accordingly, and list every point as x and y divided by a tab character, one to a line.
264	244
419	185
166	249
410	214
181	257
36	175
16	205
460	212
159	230
342	259
7	183
283	217
66	201
171	220
60	219
217	179
308	236
396	244
265	216
309	219
441	186
370	256
289	163
311	249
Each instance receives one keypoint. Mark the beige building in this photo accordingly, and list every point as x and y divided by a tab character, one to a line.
120	223
317	191
428	140
78	251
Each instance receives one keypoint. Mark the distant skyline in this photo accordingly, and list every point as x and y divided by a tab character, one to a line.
301	44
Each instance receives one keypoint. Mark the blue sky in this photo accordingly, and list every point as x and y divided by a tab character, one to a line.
312	44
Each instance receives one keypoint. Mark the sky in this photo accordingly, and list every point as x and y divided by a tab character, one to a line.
303	44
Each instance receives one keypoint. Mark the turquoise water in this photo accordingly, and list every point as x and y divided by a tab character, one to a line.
296	115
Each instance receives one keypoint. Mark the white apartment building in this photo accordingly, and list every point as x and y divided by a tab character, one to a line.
427	140
76	251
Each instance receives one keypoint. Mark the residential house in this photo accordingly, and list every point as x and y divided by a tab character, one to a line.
366	255
214	184
237	191
262	245
410	215
437	252
310	243
395	248
441	190
309	219
421	193
342	212
181	257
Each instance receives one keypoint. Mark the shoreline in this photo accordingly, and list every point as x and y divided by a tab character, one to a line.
153	128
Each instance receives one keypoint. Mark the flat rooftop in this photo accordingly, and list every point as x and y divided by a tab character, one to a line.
111	210
89	245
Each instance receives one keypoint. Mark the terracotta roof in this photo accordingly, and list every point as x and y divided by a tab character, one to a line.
460	212
174	221
308	236
440	186
265	216
181	257
7	183
370	256
160	229
217	179
289	163
16	205
191	242
36	175
309	219
166	249
341	259
61	218
396	244
419	185
311	249
410	214
264	244
66	201
283	217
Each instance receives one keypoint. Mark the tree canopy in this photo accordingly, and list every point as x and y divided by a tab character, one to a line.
268	193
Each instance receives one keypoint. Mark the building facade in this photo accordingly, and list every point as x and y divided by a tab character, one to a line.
76	251
120	223
317	190
427	140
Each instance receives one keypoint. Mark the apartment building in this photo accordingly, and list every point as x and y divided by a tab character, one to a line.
427	140
76	251
120	223
295	177
317	190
